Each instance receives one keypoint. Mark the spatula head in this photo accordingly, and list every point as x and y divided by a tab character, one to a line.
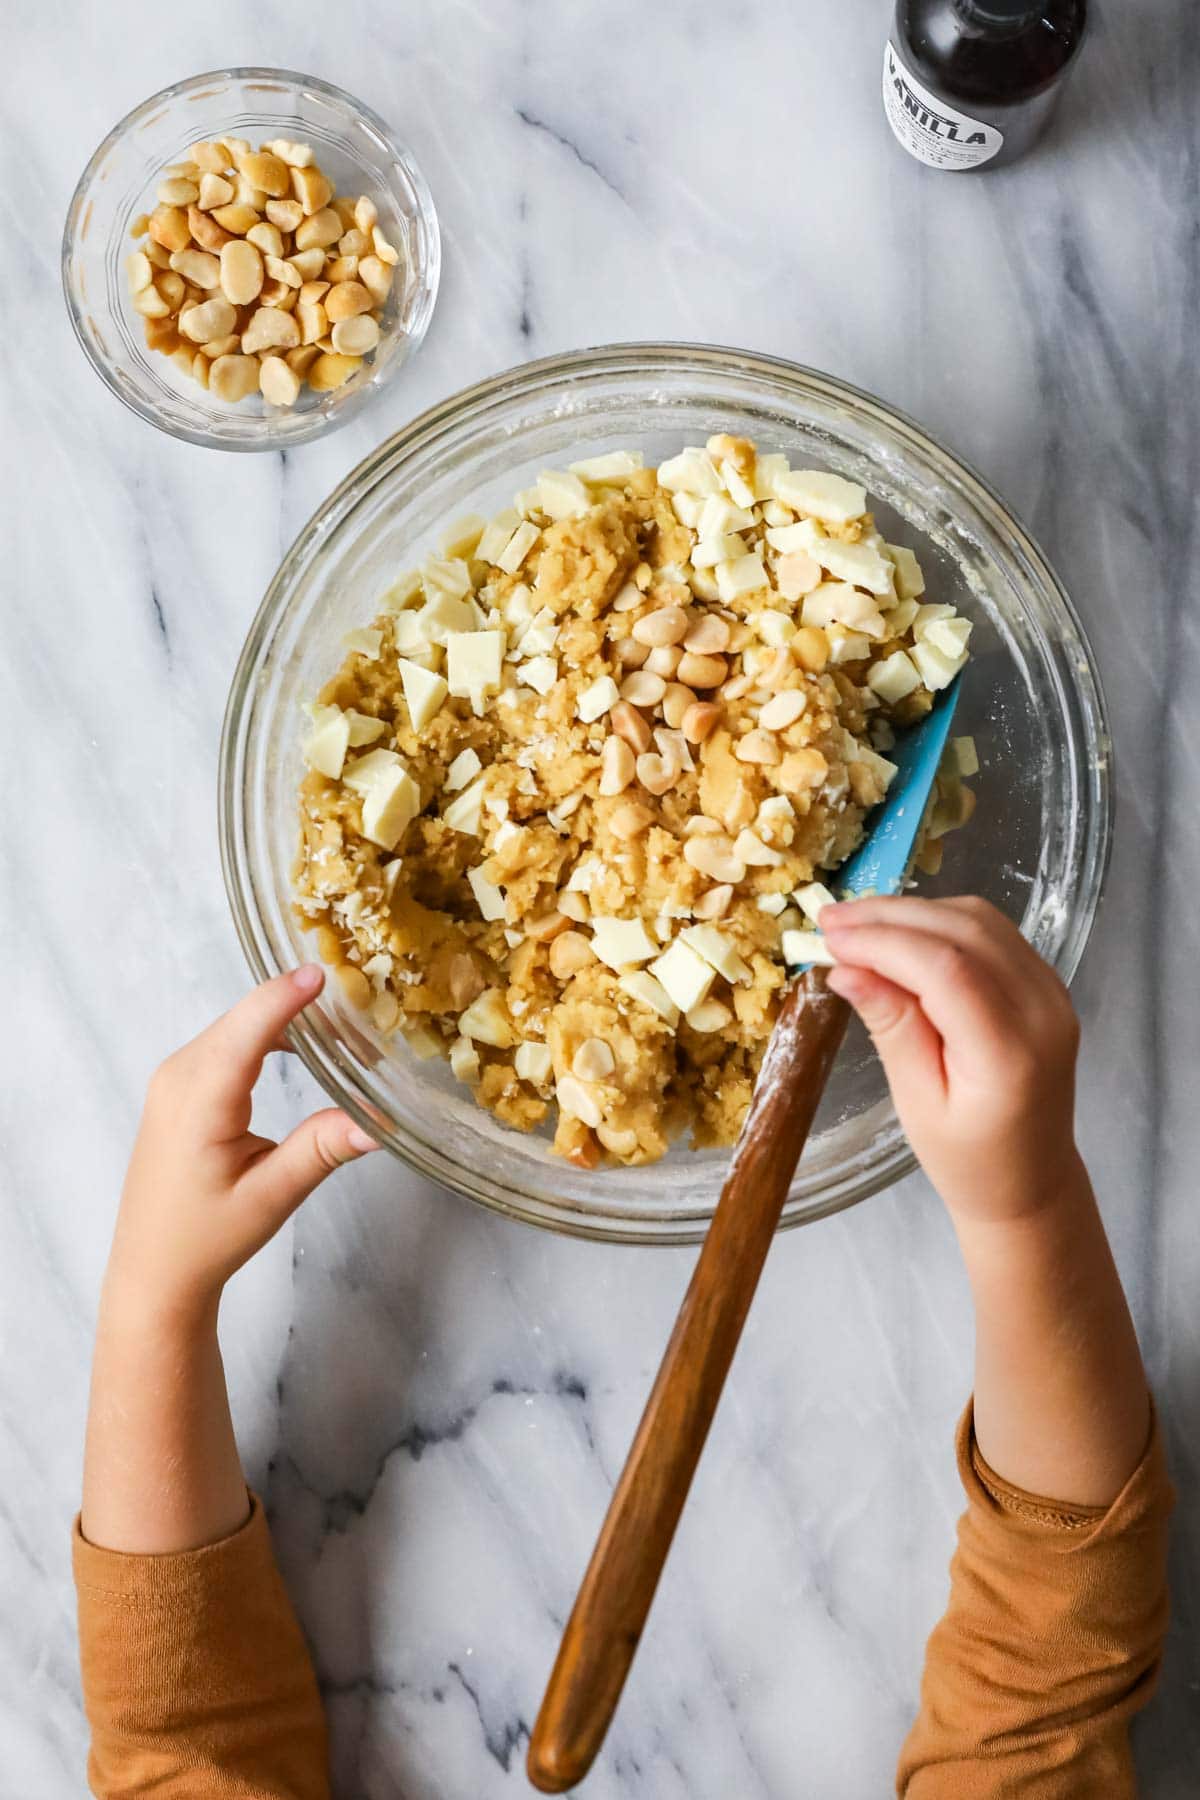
881	864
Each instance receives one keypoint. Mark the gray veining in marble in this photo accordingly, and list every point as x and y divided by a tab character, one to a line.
436	1403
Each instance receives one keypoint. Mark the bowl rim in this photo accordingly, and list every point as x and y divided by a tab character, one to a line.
431	272
686	1227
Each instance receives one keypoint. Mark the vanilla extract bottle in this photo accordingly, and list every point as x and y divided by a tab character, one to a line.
971	84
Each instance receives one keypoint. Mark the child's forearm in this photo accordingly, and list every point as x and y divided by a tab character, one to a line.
161	1469
1061	1403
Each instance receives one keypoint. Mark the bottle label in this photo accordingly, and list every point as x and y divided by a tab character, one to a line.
929	128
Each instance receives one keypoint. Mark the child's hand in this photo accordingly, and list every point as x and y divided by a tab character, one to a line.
203	1193
978	1040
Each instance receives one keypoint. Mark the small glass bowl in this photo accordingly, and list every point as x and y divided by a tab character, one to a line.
354	148
1037	846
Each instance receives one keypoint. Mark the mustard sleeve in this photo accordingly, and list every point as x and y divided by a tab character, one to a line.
196	1680
1049	1645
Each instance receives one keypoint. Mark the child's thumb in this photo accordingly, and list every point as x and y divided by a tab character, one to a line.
291	1171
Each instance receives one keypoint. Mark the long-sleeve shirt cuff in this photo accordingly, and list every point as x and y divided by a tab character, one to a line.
196	1678
1050	1642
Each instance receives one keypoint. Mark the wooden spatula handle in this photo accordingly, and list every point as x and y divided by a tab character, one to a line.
612	1604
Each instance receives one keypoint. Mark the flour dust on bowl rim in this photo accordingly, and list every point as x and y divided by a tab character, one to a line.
1031	698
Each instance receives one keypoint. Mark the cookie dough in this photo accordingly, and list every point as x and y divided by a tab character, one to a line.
565	789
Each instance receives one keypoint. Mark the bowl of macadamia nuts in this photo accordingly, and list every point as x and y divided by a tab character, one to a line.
248	257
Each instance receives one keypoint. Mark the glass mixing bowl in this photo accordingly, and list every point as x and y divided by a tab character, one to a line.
354	148
1037	846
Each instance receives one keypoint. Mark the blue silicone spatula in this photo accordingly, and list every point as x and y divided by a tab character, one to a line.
614	1599
881	864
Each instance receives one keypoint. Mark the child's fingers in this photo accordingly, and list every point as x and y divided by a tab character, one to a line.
226	1060
276	1184
909	1047
957	992
964	919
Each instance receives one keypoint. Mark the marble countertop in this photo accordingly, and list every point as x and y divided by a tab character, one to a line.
434	1401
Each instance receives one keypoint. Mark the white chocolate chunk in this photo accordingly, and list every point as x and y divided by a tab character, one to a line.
363	728
392	800
966	756
775	820
689	509
377	970
774	628
423	693
768	471
540	673
533	1062
909	580
517	610
497	535
708	552
489	898
609	469
597	699
925	616
325	750
409	636
936	669
443	575
741	575
465	811
460	539
364	771
829	498
366	643
441	616
403	591
464	1060
847	646
691	472
474	664
717	950
895	677
736	485
861	564
641	986
719	516
950	636
811	898
805	947
562	495
486	1020
540	635
464	768
840	603
684	975
518	547
583	874
622	942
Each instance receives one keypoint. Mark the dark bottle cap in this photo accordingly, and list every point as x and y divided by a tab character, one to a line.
1010	12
